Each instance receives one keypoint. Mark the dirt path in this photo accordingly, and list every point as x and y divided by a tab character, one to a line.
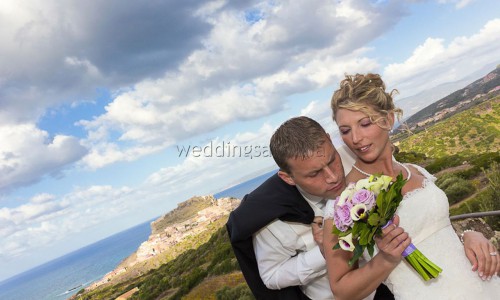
479	190
460	168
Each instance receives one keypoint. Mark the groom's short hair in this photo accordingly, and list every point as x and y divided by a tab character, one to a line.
296	137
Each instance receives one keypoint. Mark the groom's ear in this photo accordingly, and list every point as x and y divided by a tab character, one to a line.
286	177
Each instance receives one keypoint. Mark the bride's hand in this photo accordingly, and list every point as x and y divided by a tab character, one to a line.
393	242
482	254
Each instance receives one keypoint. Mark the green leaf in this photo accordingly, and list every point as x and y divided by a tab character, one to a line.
360	230
372	233
363	237
357	229
388	201
379	200
343	233
358	251
374	219
335	230
370	248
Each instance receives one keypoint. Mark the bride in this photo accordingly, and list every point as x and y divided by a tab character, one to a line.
365	113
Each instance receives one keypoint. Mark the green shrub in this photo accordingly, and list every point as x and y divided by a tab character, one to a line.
459	190
490	199
224	267
485	160
486	200
444	162
447	179
239	292
410	157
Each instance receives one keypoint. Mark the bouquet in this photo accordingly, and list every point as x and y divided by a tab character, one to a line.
361	212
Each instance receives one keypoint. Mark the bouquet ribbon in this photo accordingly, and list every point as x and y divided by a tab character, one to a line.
409	250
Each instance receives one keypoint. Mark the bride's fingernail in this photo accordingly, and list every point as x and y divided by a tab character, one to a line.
481	274
489	277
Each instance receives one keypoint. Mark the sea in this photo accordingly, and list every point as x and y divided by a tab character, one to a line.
63	277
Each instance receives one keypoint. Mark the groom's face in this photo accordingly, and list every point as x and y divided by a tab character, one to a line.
320	174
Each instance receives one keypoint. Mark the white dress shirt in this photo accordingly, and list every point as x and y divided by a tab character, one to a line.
287	255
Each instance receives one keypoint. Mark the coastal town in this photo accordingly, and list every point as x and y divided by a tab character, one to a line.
170	236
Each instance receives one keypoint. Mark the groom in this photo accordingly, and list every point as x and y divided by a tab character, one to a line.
276	231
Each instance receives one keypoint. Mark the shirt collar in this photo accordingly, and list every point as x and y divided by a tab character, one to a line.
317	203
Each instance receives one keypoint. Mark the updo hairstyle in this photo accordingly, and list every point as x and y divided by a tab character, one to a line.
366	93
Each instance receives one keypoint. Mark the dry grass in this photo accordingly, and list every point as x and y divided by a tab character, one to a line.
207	289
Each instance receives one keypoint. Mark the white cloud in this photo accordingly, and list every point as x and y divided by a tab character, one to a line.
48	219
223	67
54	53
83	65
41	198
149	125
27	154
320	111
445	62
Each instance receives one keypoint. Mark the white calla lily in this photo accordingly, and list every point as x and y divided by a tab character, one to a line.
346	242
386	180
358	212
363	184
346	195
379	183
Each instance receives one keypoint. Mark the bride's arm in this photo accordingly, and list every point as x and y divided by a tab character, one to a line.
357	283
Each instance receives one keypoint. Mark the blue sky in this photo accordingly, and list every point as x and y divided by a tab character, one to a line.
96	97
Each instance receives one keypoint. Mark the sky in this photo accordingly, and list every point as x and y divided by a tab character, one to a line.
113	112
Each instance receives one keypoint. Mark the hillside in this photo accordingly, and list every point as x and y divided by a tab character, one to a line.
480	90
183	229
476	130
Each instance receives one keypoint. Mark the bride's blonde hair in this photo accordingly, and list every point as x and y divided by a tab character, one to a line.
366	93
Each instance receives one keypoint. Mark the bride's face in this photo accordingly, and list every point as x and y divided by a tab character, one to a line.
366	139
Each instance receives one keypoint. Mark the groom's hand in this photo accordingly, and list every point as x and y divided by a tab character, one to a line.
482	255
393	242
317	230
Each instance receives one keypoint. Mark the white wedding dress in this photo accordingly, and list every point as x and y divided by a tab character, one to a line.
424	214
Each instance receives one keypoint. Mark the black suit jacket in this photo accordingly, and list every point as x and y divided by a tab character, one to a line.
274	199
